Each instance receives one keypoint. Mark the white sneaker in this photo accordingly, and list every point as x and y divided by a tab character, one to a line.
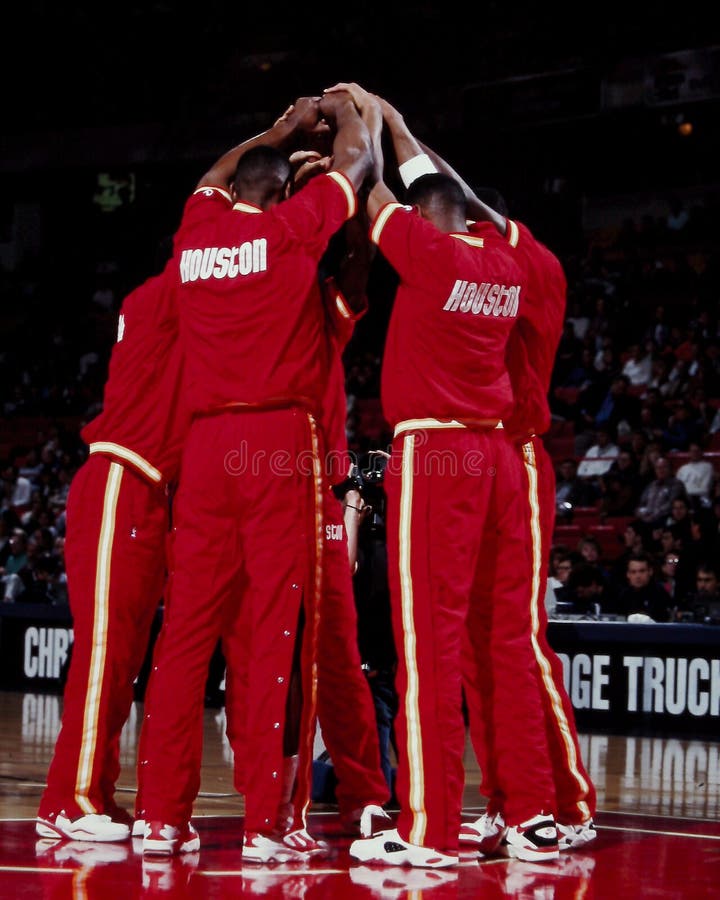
485	833
165	840
305	843
260	848
389	848
138	828
572	836
535	840
92	827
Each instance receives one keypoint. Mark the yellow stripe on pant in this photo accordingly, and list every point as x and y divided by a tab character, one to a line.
412	706
101	615
545	670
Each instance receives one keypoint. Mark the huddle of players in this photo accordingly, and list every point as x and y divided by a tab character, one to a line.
226	389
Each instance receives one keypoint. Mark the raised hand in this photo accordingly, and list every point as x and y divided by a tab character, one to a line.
361	98
307	115
307	164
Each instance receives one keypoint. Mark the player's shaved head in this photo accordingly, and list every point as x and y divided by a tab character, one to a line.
441	199
262	175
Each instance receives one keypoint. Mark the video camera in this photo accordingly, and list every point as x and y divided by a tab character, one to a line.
367	476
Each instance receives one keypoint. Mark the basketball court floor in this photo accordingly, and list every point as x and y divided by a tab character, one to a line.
658	831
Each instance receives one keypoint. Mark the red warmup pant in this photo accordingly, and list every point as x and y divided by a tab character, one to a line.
345	706
247	540
493	736
447	488
115	560
141	754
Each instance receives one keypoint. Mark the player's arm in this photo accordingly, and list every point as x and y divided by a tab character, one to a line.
369	109
476	207
354	267
355	511
352	150
302	116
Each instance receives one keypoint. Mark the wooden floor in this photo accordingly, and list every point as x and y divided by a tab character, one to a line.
658	830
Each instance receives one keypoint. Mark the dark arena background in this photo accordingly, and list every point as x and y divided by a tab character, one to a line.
598	126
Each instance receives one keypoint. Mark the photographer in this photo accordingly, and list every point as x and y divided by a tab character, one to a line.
372	600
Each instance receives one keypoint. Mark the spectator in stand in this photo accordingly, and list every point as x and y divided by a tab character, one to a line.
659	376
38	516
561	564
606	359
59	554
615	406
42	582
598	458
701	411
584	373
8	521
702	543
714	426
636	538
689	350
685	543
682	429
590	552
659	333
583	379
43	537
653	414
669	541
600	324
20	489
643	597
676	381
637	443
668	579
579	320
17	561
31	467
620	486
638	366
655	504
570	491
568	354
586	589
711	368
703	604
558	552
680	520
58	498
650	455
698	476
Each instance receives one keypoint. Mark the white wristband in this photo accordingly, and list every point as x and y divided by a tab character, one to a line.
414	167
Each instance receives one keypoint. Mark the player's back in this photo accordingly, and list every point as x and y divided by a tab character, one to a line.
455	307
